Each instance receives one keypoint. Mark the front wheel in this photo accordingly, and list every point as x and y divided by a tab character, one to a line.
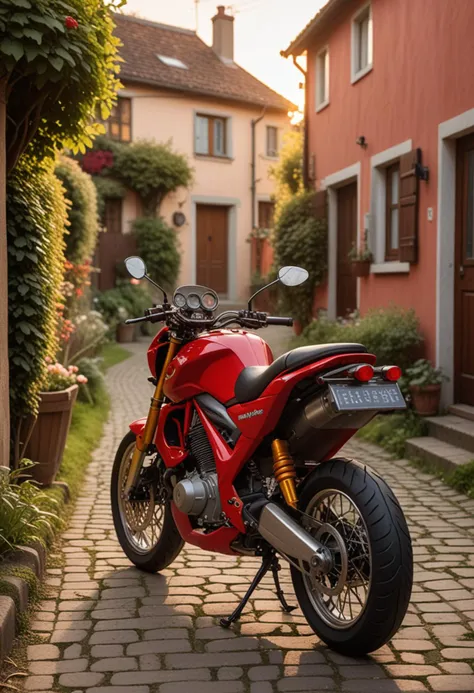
144	524
360	604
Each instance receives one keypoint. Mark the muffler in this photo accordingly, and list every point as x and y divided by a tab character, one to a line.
292	541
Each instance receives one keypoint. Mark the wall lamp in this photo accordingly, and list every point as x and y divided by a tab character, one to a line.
362	142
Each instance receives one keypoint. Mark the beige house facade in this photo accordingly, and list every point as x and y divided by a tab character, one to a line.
230	127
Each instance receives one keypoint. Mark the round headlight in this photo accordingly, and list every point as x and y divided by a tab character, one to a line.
193	302
179	300
209	302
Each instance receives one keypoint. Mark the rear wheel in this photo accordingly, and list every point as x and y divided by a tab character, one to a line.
144	523
360	604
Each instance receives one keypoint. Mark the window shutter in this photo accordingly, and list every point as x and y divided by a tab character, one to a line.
409	206
320	205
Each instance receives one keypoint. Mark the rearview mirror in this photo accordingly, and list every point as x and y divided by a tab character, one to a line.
135	267
292	276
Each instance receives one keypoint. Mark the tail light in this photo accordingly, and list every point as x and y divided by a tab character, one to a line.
391	373
363	373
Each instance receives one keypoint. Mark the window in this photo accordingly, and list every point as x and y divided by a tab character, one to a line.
266	211
172	62
272	141
392	212
322	79
211	136
362	41
113	215
118	125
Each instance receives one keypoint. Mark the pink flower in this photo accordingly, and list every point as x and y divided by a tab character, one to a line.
81	379
48	359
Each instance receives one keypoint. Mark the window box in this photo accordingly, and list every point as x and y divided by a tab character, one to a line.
360	268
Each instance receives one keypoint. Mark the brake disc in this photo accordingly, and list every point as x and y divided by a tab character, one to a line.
337	577
140	512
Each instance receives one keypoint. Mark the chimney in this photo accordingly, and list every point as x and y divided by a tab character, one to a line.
223	35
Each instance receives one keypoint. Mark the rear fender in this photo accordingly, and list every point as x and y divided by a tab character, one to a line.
138	426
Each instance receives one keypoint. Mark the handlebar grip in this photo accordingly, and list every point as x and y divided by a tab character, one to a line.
288	322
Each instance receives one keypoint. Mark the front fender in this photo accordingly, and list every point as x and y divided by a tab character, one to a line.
138	426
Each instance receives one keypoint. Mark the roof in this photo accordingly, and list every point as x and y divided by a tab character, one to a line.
206	73
321	21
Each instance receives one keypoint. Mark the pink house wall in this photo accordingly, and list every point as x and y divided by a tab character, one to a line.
423	60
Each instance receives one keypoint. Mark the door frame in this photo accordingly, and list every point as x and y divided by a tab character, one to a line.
331	183
233	203
448	132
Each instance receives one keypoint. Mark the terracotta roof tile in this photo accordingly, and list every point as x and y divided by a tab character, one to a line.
206	73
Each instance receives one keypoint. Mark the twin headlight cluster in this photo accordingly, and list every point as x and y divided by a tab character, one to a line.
194	301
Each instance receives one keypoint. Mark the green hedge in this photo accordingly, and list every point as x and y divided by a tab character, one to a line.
392	334
157	244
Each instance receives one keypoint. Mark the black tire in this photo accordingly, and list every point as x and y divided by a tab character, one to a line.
391	553
169	543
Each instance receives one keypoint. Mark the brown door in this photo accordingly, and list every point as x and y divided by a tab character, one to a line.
464	273
211	246
346	236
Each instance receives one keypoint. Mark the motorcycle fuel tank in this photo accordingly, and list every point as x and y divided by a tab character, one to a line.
212	363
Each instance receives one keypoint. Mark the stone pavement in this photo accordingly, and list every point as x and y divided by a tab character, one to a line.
107	628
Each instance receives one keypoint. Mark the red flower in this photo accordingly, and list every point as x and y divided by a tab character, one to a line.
71	23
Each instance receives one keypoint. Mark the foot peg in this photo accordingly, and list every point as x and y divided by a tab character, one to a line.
269	562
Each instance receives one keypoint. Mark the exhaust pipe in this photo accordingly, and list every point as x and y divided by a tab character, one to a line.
291	540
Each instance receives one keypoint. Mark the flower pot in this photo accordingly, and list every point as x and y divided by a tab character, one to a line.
125	333
361	268
426	399
48	438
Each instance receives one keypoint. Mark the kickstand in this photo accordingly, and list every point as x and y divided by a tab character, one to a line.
275	566
261	572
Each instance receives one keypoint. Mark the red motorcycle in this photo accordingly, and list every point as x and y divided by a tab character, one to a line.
237	456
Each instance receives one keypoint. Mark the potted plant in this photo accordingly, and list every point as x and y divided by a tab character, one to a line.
361	259
424	384
48	438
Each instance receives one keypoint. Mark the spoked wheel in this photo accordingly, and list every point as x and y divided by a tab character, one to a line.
361	602
144	523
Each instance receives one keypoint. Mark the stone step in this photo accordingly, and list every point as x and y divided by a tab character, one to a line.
462	410
454	430
437	453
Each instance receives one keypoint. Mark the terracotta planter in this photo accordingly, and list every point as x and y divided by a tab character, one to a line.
48	439
426	399
361	268
125	333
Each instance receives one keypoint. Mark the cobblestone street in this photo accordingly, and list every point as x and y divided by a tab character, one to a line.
107	628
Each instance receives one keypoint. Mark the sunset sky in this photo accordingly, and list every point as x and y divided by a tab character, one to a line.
262	29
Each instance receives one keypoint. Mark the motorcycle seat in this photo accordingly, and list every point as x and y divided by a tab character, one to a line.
253	380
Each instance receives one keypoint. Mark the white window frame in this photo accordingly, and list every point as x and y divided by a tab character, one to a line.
322	68
356	72
379	164
267	153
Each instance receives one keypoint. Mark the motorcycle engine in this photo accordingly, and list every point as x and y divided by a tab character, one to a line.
198	493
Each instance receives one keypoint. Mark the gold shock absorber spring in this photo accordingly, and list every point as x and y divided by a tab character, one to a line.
284	471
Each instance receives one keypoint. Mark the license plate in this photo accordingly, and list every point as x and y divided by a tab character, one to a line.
359	397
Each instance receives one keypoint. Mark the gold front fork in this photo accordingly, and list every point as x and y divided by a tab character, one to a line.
284	471
143	441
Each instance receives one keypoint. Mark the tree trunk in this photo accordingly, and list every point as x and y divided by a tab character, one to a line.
4	392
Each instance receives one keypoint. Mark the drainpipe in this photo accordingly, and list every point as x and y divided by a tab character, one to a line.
253	165
305	122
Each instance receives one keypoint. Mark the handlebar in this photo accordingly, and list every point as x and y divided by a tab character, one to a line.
249	319
288	322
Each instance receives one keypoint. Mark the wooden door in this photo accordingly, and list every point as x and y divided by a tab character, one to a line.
212	247
346	236
464	273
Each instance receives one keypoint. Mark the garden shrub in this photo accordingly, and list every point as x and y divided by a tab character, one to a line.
288	173
93	391
392	334
81	235
157	244
301	239
392	431
124	301
26	512
35	227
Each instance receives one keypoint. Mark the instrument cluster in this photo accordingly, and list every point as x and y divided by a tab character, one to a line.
195	298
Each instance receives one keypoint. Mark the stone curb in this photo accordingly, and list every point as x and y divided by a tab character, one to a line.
34	558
